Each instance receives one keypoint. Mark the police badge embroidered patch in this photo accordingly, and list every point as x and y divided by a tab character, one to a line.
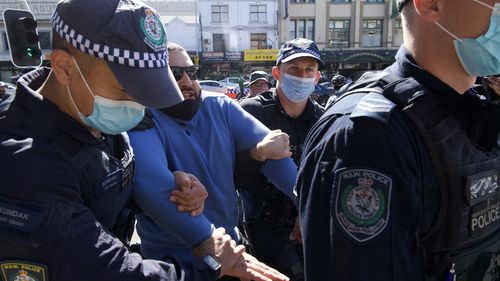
152	28
362	202
23	271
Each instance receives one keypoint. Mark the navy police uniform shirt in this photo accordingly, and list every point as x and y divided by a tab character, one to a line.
46	230
361	182
276	118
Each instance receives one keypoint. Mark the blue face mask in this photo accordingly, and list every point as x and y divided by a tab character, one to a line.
110	116
297	89
480	56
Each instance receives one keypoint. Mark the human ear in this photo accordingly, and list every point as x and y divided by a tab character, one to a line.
429	10
62	65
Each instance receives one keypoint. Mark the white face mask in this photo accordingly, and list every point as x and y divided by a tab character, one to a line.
109	116
297	89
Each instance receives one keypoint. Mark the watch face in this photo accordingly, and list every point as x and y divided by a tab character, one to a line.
212	262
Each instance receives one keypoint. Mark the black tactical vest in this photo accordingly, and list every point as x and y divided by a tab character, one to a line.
465	233
468	223
271	206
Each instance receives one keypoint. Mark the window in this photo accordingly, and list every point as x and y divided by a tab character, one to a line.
45	40
258	13
310	29
220	13
339	33
302	1
374	1
372	33
292	29
398	24
258	41
220	42
233	80
341	1
301	28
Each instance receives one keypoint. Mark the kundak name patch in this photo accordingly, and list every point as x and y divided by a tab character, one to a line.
362	202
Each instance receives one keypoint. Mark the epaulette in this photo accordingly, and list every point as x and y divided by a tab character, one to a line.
146	122
374	105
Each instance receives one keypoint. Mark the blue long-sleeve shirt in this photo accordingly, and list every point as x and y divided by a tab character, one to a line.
204	146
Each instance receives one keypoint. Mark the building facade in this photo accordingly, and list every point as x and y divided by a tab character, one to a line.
354	35
236	37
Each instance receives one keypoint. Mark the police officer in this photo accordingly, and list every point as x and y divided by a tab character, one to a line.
269	214
338	81
400	181
67	166
259	83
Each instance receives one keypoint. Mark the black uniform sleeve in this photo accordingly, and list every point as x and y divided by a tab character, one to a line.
359	198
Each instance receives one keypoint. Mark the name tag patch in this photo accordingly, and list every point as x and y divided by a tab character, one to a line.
23	271
482	185
109	181
20	217
485	217
362	203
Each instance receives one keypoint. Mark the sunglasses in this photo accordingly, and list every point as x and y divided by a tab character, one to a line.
258	84
191	71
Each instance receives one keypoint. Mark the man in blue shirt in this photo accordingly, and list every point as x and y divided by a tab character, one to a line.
200	136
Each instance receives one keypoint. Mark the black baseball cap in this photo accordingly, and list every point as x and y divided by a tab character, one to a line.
259	75
296	48
130	37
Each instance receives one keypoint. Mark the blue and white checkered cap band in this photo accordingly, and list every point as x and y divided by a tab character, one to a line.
114	55
286	54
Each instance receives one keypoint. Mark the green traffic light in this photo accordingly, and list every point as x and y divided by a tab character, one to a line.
29	51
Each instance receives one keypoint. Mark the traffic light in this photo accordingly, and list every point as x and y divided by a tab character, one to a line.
23	38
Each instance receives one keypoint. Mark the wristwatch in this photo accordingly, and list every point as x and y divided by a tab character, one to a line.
213	264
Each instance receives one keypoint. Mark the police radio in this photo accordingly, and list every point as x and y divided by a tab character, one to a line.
22	37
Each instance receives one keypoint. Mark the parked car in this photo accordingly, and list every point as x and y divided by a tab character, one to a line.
212	86
231	81
217	87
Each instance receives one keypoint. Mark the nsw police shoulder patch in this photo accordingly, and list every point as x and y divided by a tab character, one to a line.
14	270
362	202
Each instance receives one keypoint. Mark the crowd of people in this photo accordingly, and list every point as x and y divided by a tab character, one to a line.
395	179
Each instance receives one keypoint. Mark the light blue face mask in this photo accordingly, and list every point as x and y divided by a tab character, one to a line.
110	116
480	56
297	89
